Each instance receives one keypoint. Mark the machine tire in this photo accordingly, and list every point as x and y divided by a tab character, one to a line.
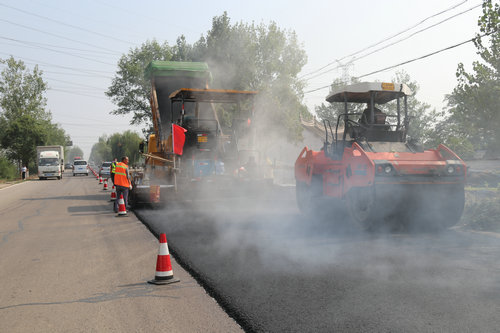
449	207
361	206
309	196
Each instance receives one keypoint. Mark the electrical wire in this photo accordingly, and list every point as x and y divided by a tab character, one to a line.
396	42
92	72
67	53
58	36
67	24
410	61
57	46
378	43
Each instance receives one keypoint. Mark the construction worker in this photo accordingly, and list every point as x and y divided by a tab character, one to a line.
378	117
122	181
112	170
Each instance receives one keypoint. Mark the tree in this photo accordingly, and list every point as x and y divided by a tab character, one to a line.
116	146
331	111
473	111
101	151
263	58
125	144
24	123
74	152
129	89
419	112
242	57
7	169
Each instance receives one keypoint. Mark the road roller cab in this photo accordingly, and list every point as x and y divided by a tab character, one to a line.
367	162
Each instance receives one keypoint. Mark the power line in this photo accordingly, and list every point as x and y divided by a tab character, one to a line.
76	84
75	93
396	42
62	52
57	46
380	42
66	24
58	36
92	72
152	19
87	17
409	61
425	56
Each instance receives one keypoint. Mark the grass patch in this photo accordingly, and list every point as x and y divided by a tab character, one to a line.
482	209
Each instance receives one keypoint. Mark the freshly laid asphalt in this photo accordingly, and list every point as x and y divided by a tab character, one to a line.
274	270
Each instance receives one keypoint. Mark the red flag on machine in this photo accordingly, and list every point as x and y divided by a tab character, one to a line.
178	138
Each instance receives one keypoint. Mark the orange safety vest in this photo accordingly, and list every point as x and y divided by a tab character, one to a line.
121	172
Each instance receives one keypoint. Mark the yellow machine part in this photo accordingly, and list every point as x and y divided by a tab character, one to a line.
153	150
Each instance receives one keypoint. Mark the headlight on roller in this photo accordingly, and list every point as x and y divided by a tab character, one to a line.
454	168
384	168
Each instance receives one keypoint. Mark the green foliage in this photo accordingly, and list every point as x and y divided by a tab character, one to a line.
331	111
24	123
473	112
263	58
482	211
117	146
73	152
125	144
7	169
419	113
241	57
101	151
129	90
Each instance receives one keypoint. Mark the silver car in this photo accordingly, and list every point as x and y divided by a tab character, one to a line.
105	170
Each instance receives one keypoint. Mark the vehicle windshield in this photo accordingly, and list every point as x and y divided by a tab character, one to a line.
106	165
80	163
48	162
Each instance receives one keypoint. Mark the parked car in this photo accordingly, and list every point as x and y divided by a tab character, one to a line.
80	168
68	166
105	170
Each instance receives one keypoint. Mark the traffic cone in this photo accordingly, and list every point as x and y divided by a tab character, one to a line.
100	180
164	273
122	210
113	194
105	187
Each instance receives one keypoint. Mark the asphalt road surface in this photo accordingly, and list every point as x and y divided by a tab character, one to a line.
274	270
67	264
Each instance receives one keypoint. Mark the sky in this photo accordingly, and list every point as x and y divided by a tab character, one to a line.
77	44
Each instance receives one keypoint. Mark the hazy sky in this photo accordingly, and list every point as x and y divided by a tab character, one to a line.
78	43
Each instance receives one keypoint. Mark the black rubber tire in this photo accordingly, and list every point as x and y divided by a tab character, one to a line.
309	196
362	208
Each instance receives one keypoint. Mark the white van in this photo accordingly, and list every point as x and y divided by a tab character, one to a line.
80	167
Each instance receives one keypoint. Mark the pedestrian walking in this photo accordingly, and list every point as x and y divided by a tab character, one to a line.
24	171
122	181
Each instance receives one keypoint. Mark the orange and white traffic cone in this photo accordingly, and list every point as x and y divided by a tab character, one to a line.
100	180
113	194
122	210
164	273
105	187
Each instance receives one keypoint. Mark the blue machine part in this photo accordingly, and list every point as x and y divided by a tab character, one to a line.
203	168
